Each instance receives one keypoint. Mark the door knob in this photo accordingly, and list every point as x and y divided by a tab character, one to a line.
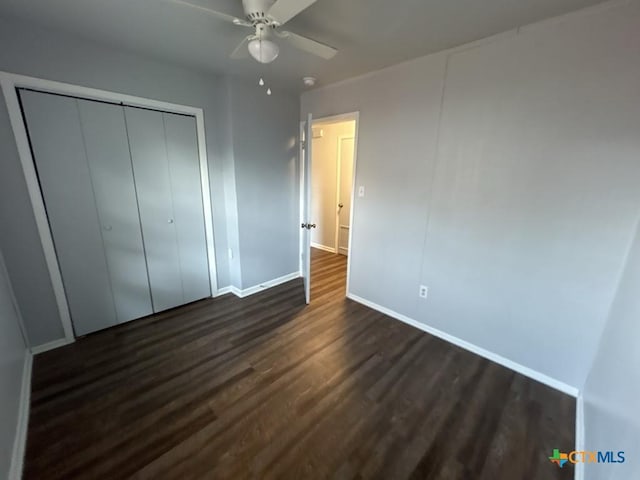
170	220
340	205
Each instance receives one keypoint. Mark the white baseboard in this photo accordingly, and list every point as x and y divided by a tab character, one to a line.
580	440
322	247
263	286
223	291
45	347
505	362
20	441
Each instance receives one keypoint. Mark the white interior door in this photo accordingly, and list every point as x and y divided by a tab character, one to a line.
345	163
107	149
306	208
147	143
184	168
58	147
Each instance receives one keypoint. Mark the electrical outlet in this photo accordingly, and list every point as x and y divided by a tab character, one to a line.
424	291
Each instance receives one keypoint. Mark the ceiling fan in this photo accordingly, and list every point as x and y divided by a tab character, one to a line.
266	17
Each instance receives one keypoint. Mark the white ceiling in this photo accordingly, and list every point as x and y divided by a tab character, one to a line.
370	34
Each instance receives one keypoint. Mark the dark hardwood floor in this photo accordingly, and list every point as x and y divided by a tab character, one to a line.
267	387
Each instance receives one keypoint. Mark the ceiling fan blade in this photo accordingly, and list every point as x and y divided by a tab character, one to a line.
308	45
241	50
284	10
220	15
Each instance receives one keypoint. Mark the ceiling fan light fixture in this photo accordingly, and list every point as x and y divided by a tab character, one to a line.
309	81
266	17
263	50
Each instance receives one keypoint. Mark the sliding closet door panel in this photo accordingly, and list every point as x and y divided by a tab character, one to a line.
56	140
151	172
186	187
107	149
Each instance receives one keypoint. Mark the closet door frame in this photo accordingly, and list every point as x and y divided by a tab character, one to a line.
10	82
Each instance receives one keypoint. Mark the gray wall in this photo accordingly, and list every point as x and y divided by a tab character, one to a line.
12	356
230	192
613	387
504	176
265	150
396	151
31	50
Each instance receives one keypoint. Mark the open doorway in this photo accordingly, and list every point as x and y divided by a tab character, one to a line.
331	170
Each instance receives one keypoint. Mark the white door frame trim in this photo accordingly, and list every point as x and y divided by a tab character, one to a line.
301	220
342	117
9	83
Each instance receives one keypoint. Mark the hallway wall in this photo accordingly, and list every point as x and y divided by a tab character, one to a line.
324	177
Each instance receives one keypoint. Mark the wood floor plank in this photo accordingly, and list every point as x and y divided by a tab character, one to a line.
268	387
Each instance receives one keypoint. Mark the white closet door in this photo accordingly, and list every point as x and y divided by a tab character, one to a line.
153	186
186	188
56	139
107	148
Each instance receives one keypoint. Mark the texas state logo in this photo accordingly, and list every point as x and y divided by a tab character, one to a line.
599	456
559	458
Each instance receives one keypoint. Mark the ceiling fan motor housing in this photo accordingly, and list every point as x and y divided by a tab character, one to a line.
256	10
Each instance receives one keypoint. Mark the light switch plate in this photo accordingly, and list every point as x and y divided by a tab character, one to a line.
361	191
